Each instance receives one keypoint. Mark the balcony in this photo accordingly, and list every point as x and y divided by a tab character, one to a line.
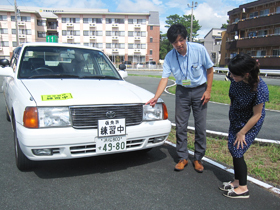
115	50
115	38
271	19
22	36
69	24
137	38
92	25
259	21
70	37
231	28
92	37
267	41
21	23
137	26
115	25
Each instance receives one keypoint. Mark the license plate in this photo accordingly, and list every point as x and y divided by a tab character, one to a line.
111	127
110	144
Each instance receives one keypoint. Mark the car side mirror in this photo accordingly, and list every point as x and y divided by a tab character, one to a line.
6	70
4	62
122	67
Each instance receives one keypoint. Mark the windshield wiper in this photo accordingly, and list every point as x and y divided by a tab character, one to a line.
100	77
55	76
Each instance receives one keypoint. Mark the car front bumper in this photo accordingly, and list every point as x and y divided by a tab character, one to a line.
68	143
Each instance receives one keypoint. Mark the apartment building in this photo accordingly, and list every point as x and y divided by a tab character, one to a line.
212	42
122	36
254	28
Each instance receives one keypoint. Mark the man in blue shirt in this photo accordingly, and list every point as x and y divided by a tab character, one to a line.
193	70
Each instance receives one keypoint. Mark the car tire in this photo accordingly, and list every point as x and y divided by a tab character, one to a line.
7	116
22	162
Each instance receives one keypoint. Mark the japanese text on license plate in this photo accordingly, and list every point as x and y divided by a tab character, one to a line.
111	127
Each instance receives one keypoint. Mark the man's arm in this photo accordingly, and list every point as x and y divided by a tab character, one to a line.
161	86
207	94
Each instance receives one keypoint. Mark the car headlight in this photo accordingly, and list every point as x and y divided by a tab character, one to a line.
158	112
54	117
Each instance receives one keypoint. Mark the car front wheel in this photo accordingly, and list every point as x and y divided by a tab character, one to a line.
22	162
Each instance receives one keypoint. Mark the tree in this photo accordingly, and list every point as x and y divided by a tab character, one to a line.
225	25
165	46
185	20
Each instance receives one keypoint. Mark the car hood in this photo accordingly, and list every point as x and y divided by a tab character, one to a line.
48	92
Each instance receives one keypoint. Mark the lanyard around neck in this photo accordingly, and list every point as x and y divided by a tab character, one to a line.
184	76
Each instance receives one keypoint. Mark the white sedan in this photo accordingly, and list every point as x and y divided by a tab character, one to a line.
68	101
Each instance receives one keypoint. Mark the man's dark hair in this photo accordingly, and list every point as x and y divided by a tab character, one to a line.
175	30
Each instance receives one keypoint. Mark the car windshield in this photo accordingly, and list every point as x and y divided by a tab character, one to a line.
65	62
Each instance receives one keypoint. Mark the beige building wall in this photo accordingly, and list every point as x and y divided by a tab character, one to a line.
122	36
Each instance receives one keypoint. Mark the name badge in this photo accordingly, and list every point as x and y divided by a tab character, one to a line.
186	82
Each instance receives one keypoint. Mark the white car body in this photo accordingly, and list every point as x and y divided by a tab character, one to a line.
66	142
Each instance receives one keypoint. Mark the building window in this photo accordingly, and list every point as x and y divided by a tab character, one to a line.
277	30
41	34
130	46
119	21
262	33
41	23
21	18
254	14
4	43
278	10
261	53
151	39
109	20
130	21
151	28
3	31
108	33
70	20
276	52
3	17
108	45
71	33
143	46
151	52
143	33
264	12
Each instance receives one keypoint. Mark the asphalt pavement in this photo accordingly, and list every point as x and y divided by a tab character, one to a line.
121	181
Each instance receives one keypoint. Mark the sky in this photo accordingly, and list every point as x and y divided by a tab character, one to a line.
209	13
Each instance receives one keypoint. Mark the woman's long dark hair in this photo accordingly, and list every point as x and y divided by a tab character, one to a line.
242	64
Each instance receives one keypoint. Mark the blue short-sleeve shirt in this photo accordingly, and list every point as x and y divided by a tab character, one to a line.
193	65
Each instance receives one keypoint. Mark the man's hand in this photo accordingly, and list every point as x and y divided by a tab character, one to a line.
152	102
206	97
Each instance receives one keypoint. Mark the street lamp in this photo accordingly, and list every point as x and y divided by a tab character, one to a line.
193	5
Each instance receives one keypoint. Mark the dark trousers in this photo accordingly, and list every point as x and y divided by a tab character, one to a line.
188	99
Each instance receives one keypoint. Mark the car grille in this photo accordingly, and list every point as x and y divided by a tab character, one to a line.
88	116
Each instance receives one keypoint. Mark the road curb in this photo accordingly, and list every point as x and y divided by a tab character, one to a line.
230	170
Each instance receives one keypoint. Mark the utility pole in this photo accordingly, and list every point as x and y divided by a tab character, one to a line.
193	5
16	22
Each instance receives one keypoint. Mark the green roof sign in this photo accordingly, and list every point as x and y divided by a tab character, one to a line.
51	38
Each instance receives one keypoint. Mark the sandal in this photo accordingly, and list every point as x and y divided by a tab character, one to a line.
232	194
